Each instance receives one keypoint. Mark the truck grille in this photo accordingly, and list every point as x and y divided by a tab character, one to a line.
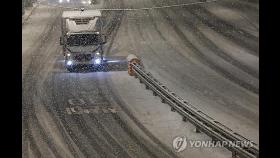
82	57
80	21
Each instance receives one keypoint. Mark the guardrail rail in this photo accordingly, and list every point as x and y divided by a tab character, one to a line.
203	123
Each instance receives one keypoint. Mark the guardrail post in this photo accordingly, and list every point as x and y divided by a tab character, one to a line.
196	130
234	155
132	59
185	119
154	93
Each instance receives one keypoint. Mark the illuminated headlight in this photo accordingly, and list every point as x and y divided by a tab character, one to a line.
68	54
69	62
97	61
60	1
97	53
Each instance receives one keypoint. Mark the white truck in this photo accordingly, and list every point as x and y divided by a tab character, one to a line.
82	38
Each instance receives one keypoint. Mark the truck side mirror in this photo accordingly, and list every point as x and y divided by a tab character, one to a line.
60	41
104	39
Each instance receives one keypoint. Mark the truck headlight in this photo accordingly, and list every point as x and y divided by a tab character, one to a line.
68	54
97	61
69	62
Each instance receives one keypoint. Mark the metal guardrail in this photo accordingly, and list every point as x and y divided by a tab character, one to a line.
216	130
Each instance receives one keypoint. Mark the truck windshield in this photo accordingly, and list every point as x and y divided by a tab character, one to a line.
83	39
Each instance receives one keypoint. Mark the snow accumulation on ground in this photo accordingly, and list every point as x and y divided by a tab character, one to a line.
157	117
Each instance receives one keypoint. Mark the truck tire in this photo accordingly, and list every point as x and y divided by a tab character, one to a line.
70	69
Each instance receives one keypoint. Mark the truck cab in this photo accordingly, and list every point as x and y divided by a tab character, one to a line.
82	38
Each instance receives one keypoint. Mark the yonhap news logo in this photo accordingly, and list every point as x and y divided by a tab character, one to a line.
180	143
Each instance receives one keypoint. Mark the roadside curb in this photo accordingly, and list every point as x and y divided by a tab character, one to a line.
24	19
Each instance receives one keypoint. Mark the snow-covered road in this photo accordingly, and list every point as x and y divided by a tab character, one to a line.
207	54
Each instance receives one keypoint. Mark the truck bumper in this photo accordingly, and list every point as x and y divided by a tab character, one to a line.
93	62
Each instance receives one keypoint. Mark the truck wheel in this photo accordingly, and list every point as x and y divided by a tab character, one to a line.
70	69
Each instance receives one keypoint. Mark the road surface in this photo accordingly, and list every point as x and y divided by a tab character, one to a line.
208	54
